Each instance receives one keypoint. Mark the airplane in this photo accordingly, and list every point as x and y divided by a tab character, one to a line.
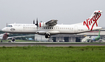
7	36
4	36
92	38
51	27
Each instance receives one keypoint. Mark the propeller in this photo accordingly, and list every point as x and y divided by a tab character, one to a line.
33	21
36	23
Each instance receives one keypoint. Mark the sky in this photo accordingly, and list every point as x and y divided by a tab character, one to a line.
65	11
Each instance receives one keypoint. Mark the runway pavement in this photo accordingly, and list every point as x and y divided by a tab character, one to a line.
50	44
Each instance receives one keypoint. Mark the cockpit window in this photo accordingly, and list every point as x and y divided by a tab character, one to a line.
9	26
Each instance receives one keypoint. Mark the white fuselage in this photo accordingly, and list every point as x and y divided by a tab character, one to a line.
20	28
57	29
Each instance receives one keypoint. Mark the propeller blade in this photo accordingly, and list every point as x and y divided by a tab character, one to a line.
36	22
33	21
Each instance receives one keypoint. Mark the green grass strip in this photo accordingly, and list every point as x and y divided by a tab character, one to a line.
52	54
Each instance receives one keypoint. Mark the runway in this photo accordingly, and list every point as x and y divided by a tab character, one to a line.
50	44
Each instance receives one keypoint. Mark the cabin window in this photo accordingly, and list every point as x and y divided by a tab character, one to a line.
9	26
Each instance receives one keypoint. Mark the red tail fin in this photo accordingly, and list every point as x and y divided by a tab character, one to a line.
93	20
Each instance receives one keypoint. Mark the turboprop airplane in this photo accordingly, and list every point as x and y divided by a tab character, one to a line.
92	38
4	36
51	27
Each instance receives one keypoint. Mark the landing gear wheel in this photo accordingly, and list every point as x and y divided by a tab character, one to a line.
47	36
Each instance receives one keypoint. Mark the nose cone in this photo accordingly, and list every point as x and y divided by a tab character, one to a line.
4	29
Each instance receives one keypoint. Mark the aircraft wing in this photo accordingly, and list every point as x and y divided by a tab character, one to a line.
51	22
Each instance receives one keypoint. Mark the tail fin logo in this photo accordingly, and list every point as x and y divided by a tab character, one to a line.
92	21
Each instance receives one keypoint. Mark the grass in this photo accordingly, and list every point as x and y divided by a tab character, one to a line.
52	54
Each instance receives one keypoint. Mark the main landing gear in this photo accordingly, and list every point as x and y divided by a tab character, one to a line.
47	35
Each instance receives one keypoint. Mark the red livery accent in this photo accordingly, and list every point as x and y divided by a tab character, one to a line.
86	23
91	21
5	36
39	24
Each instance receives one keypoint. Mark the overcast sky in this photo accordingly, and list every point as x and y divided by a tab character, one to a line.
65	11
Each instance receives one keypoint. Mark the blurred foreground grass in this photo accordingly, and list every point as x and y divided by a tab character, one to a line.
52	54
